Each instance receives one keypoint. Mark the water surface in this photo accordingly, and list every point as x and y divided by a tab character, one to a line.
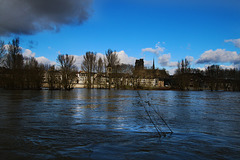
113	124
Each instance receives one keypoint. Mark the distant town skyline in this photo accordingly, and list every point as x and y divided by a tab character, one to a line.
203	32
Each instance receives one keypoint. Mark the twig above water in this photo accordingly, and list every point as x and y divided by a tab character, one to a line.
153	119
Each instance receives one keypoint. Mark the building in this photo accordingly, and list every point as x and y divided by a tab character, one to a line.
140	78
139	64
148	78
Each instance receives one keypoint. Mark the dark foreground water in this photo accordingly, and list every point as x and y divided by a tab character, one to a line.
110	124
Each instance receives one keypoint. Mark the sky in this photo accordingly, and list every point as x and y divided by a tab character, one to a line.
205	32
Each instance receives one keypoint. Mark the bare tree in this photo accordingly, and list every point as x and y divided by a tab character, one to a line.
99	71
21	72
89	66
33	74
183	67
125	72
14	62
112	62
100	65
14	59
112	59
126	68
53	78
213	73
183	75
2	52
68	70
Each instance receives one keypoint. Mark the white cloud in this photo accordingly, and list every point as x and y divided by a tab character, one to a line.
202	68
6	46
171	71
236	42
124	58
190	58
232	66
173	64
157	50
28	53
164	61
100	55
228	67
148	63
219	55
44	60
79	59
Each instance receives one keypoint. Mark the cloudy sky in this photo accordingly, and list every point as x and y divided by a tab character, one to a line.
203	31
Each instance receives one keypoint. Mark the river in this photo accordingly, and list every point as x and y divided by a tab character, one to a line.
114	124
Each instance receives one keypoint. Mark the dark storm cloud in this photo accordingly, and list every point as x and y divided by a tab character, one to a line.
32	16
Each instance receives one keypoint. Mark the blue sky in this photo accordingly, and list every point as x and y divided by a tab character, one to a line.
168	31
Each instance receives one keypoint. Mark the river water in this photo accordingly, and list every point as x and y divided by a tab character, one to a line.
115	124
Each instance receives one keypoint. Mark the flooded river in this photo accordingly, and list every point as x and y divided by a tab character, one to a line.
114	124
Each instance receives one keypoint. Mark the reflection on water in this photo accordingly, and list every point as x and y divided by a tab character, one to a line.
107	124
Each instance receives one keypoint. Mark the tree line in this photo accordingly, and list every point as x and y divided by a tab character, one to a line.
213	78
19	72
